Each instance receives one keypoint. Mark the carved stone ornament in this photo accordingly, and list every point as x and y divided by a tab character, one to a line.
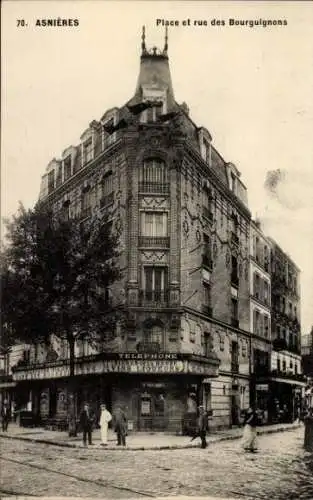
198	235
186	226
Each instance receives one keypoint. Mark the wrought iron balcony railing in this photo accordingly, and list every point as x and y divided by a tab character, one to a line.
154	187
155	298
154	241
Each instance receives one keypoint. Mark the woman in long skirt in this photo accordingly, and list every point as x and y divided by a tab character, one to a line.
250	432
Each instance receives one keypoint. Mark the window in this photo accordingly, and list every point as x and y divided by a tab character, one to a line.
256	321
283	304
67	167
222	343
207	304
234	271
244	349
266	326
151	114
206	151
266	292
65	212
234	224
51	178
207	251
266	258
154	177
106	190
87	151
284	365
208	343
86	203
295	312
154	223
108	138
256	279
58	180
296	369
278	365
232	182
234	308
207	204
290	309
155	283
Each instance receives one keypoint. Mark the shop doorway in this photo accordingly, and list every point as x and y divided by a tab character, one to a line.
152	410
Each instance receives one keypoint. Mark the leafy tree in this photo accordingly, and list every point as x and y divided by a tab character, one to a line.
55	278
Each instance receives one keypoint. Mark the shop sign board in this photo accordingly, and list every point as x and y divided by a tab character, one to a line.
261	387
132	363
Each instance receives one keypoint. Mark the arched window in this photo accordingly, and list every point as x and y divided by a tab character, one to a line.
153	335
154	176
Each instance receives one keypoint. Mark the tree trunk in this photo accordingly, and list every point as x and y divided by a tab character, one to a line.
72	426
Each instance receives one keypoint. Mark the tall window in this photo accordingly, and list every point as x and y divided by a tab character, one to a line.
58	180
208	343
256	322
207	251
106	190
65	212
207	201
234	271
256	283
266	292
155	283
86	203
87	151
266	258
154	176
234	309
152	114
207	298
266	326
67	167
234	224
51	179
154	224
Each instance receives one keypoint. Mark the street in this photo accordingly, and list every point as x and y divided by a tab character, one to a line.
280	470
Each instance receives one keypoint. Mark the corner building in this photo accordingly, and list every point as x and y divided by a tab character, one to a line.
182	215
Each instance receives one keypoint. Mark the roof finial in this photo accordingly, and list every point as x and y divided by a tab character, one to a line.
166	41
143	38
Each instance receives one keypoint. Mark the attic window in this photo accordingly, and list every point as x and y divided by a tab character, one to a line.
87	151
67	167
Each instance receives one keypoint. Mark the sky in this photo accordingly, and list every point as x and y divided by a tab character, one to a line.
250	86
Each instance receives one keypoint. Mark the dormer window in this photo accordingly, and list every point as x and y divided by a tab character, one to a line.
67	167
205	145
108	136
233	182
58	179
51	181
87	151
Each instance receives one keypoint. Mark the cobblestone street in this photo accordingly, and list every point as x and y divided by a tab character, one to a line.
280	470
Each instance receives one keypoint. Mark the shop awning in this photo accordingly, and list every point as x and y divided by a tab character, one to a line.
288	381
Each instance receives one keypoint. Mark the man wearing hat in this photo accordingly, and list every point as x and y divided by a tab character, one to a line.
5	416
202	426
87	418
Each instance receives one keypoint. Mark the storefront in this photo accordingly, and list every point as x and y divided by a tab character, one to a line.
158	391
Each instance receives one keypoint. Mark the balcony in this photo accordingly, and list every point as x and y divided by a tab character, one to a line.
154	187
154	298
207	261
106	200
234	280
206	212
234	322
207	310
235	367
234	238
154	241
288	375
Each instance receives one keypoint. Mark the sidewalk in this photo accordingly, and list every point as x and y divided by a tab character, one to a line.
136	441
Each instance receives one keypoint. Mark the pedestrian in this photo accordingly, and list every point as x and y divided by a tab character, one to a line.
5	416
202	426
105	418
120	426
87	418
250	432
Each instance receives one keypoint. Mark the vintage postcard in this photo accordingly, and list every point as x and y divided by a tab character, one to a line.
156	257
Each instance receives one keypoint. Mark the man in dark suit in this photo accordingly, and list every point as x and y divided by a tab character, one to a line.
5	416
87	418
203	426
120	425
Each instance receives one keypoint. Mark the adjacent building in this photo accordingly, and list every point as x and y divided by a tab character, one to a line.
287	382
260	317
196	281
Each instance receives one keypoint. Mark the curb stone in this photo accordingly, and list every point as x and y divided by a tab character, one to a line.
213	440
